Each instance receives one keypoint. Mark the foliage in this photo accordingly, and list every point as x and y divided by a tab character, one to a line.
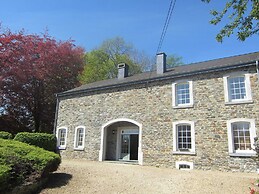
243	19
254	189
21	163
4	176
174	61
102	62
42	140
5	135
33	69
8	124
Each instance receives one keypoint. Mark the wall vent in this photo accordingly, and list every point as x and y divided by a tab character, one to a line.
183	165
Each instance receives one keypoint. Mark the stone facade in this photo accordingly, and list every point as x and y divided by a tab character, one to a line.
151	106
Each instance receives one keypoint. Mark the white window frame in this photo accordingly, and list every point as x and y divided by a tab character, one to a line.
175	138
248	98
231	150
174	95
76	147
61	147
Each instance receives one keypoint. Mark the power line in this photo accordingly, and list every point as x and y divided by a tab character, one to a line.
168	17
167	21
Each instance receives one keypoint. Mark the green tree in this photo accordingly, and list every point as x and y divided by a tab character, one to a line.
101	63
243	16
97	66
174	61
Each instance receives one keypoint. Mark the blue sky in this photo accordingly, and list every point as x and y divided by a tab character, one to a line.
139	22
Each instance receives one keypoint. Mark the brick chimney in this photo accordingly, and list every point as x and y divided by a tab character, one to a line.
123	69
160	63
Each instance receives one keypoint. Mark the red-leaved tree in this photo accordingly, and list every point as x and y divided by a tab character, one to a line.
33	69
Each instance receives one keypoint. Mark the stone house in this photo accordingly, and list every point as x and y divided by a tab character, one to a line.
199	116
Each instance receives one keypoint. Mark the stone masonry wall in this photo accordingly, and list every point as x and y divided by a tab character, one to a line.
152	107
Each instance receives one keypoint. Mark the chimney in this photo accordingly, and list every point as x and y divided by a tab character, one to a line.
123	69
160	63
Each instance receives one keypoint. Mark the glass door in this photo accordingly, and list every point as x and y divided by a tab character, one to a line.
125	147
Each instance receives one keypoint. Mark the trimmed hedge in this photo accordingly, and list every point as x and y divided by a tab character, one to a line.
42	140
21	164
5	135
4	176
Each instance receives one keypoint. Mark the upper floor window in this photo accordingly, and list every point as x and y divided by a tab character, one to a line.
79	137
61	137
237	88
182	94
241	134
183	136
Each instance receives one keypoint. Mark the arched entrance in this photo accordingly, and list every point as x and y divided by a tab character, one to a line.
121	140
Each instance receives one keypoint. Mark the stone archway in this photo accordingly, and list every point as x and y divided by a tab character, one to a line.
121	140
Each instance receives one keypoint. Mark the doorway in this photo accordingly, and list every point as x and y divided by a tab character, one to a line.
121	140
129	144
129	147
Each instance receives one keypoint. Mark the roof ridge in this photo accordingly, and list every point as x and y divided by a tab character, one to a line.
215	59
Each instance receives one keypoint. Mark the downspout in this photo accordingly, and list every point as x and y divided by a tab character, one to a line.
56	115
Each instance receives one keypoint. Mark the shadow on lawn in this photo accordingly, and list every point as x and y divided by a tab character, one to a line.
57	180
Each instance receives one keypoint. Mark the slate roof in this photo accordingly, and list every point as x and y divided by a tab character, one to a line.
181	71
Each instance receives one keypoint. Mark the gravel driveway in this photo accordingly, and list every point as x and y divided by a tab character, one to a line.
81	176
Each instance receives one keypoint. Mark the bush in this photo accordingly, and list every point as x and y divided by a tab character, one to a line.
21	163
5	135
4	176
42	140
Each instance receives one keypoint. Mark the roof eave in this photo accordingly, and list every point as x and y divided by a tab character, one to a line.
154	79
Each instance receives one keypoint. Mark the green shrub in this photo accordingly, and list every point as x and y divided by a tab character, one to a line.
23	163
5	135
4	176
42	140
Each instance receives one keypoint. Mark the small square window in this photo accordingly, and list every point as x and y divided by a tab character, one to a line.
183	165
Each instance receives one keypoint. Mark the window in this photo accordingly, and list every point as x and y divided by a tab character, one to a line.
237	88
183	136
241	134
79	138
61	137
182	94
183	165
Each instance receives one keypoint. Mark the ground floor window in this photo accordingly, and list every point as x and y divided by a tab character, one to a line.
241	134
79	138
61	137
183	137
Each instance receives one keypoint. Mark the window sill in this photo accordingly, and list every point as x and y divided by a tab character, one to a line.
239	102
243	154
183	106
79	149
61	148
184	153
